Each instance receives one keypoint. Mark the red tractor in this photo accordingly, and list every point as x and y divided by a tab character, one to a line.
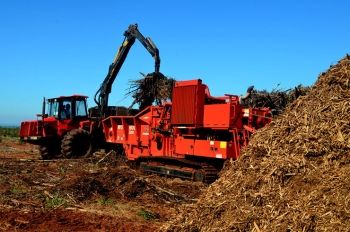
63	130
67	129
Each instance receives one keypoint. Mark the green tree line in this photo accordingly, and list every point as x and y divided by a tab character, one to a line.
9	131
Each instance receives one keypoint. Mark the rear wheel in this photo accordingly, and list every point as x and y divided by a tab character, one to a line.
76	143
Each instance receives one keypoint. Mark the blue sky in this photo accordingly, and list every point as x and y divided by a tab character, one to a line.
55	48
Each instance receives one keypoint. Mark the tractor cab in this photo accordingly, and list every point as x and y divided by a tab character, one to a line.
67	108
59	116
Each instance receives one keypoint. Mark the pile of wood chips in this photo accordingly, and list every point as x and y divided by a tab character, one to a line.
152	88
294	175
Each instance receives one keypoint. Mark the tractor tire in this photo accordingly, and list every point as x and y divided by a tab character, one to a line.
49	148
76	144
45	152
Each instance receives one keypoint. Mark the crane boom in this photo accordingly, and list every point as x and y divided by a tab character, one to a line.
102	94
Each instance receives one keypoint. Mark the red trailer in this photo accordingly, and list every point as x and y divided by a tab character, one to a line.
190	137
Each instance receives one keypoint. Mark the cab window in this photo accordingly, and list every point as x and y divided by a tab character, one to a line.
53	109
66	109
80	108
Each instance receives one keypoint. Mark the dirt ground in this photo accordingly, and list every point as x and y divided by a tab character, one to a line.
101	193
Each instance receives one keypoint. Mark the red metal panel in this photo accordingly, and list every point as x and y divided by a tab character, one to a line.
107	130
217	116
160	147
207	148
188	103
145	135
212	149
29	128
184	146
131	128
183	105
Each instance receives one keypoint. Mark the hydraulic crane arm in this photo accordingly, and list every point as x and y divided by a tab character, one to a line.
102	94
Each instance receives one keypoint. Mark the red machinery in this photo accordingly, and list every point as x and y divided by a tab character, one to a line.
74	134
63	129
190	137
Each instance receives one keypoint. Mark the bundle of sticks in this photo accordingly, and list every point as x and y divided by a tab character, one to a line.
277	99
151	88
156	87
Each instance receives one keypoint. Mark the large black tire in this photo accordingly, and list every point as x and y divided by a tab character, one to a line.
49	149
76	143
45	152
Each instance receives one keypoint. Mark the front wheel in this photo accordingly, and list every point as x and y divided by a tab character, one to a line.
76	143
49	149
45	152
